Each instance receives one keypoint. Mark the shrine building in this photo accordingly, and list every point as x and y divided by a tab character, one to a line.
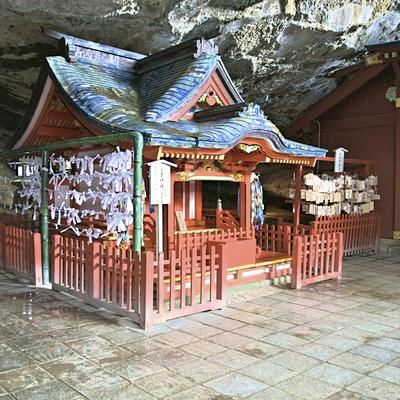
363	115
100	117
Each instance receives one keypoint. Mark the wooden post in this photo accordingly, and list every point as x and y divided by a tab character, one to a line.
146	290
396	227
338	238
297	262
222	279
247	204
2	244
37	259
297	198
171	217
93	261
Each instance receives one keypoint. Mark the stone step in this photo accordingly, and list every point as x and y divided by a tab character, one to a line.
389	246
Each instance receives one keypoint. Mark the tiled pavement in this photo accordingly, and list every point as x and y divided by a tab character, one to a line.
335	340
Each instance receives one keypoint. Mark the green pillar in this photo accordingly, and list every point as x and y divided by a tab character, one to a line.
137	192
44	212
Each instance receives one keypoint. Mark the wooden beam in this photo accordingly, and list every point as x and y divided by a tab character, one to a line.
348	70
64	133
60	116
359	79
358	122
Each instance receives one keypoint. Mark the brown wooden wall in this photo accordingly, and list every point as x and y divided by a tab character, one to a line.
364	124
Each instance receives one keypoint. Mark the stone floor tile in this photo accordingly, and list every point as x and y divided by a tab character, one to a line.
236	385
64	335
145	346
294	361
202	332
110	355
375	353
233	359
230	340
175	338
306	332
319	351
275	325
387	343
54	390
338	342
163	384
198	393
248	317
70	366
267	372
308	388
356	363
89	344
203	348
134	368
13	360
373	327
347	395
7	397
217	321
46	352
357	334
333	374
272	393
376	389
97	380
125	392
201	371
170	357
259	349
284	340
254	332
387	373
122	336
24	378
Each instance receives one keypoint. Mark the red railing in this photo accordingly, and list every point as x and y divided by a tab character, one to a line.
20	252
199	239
275	238
361	232
226	220
316	258
146	290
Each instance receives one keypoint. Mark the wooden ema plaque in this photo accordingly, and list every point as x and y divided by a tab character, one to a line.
181	221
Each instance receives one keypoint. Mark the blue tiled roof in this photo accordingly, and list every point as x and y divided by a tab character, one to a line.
118	100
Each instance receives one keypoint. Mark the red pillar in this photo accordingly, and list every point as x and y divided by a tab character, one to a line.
396	228
171	217
297	197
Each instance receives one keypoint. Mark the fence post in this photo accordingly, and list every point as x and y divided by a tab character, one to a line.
2	244
338	239
146	289
56	258
37	258
222	282
378	233
93	260
286	239
297	262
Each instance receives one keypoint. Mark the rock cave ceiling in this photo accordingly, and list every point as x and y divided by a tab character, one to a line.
280	53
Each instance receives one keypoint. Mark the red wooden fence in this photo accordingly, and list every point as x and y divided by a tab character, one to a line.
188	240
361	232
146	290
20	252
316	258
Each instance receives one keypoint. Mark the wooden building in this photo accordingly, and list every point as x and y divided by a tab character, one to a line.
363	115
178	105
